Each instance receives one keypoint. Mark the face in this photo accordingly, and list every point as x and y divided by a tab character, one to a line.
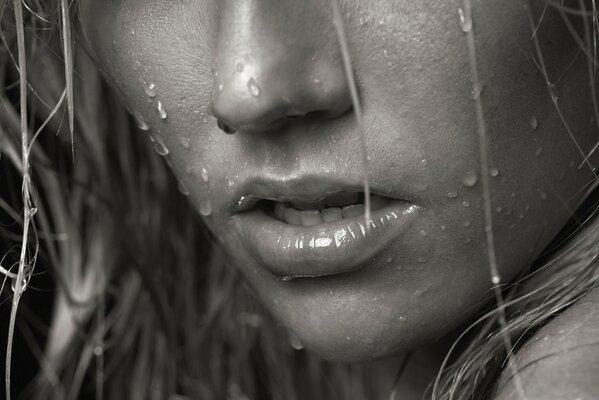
274	192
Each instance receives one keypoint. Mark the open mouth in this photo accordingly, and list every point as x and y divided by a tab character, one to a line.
300	237
332	208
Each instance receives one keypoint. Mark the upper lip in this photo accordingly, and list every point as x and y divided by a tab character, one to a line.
302	187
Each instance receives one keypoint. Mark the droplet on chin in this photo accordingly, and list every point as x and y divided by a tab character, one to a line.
205	207
470	179
161	111
253	87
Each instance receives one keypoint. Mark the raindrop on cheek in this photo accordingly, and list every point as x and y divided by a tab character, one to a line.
294	342
141	123
204	175
470	179
534	124
159	146
253	87
151	90
205	207
161	111
183	189
185	142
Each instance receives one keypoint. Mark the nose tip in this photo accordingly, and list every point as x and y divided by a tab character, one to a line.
252	97
273	65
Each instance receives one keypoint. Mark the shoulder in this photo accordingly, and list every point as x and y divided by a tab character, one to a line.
562	360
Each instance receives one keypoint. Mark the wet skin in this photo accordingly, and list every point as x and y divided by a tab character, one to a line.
411	63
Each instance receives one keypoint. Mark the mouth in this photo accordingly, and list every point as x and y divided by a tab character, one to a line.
311	236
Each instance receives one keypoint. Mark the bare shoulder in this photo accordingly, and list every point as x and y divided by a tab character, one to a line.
562	360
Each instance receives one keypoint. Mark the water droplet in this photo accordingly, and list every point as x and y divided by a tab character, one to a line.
287	278
470	179
253	87
159	146
23	286
239	67
534	124
140	122
476	90
424	162
389	260
420	292
539	151
452	194
498	209
423	232
220	87
185	142
466	223
465	204
183	189
553	92
161	111
295	342
443	228
151	90
465	21
421	260
98	351
493	171
495	279
403	318
204	175
205	207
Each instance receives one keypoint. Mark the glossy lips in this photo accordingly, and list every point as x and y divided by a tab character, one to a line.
293	243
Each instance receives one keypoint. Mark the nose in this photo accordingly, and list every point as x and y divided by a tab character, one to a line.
277	60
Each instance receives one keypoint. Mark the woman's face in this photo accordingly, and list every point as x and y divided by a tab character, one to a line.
273	71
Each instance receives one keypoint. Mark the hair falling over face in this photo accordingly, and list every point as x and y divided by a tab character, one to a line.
116	288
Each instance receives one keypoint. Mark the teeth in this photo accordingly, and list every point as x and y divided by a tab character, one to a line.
353	211
341	199
315	216
310	217
292	216
280	210
307	205
331	214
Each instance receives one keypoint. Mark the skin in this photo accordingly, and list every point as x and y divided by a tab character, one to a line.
411	63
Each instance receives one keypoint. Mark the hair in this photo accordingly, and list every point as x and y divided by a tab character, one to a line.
144	303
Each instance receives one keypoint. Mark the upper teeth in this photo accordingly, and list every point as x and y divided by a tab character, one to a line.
326	210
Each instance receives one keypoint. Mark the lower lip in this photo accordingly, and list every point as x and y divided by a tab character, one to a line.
290	251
